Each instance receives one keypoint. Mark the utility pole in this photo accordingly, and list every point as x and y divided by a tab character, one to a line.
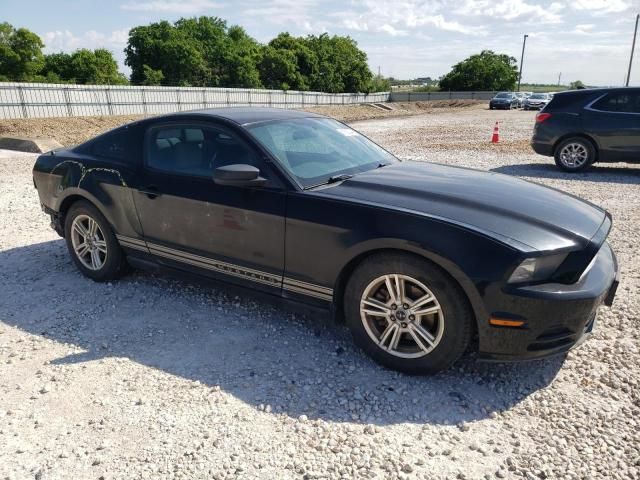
524	42
633	46
379	76
559	77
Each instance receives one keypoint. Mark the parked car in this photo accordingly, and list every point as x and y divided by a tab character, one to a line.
521	98
504	100
581	127
536	101
418	259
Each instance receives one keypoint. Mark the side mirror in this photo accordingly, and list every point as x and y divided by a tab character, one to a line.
240	175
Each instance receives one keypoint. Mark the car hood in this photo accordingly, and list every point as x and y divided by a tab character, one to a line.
525	215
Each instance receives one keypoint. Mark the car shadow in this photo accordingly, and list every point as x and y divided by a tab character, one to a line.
623	173
263	355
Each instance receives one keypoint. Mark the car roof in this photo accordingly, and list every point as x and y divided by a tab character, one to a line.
246	115
586	91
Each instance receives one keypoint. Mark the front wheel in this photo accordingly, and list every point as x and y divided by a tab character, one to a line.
407	314
92	243
575	154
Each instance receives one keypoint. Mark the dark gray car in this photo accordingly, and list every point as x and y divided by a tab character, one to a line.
504	100
581	127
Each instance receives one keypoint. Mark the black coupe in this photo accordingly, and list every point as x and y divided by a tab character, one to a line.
418	259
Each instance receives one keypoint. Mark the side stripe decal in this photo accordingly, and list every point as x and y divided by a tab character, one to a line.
289	284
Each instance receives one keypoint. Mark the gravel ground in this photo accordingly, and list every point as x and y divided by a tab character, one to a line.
153	377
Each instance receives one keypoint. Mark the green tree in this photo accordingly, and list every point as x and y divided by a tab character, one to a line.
279	70
380	84
94	67
577	85
288	60
20	53
151	76
486	71
199	51
342	66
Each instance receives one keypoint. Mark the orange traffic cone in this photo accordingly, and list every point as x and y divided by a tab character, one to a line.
495	138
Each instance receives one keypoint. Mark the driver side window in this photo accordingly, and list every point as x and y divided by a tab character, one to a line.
196	149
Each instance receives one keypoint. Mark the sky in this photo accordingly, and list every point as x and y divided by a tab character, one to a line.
587	40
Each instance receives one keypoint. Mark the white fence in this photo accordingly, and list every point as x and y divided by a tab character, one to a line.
37	100
429	96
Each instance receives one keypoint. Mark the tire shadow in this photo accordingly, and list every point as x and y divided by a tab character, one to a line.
261	354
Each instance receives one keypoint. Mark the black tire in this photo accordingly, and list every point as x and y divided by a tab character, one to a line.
457	318
564	164
490	108
114	262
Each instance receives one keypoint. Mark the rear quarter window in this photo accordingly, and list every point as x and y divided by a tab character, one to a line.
563	102
120	145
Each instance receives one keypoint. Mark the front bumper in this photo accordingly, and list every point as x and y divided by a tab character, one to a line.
535	106
557	316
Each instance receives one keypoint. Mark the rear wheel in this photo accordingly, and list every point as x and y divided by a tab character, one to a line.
92	243
575	154
407	314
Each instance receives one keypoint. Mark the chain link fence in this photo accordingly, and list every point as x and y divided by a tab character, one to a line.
40	100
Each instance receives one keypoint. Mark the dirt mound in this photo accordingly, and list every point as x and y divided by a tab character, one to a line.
71	131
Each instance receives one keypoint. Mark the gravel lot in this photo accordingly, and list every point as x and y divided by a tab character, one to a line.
154	377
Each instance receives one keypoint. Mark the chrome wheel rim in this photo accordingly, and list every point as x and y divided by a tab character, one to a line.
89	243
574	155
402	316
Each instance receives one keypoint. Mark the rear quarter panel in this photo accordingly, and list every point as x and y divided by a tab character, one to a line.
65	176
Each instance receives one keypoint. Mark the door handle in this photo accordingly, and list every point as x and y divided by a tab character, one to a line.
150	191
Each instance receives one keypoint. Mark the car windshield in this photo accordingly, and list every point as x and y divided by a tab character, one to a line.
503	95
538	96
317	151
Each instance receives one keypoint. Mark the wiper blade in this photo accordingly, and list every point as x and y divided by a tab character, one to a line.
339	178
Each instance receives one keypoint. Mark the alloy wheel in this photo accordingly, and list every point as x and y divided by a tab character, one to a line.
402	316
89	243
574	155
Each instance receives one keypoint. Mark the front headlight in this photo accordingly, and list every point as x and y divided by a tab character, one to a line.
537	269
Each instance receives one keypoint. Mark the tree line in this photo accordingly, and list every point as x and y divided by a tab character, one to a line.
199	52
207	52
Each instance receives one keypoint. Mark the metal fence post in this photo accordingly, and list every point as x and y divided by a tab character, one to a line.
67	101
22	103
107	92
178	98
204	98
409	97
249	97
144	101
270	98
228	98
285	98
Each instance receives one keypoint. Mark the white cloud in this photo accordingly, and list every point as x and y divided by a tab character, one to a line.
64	40
601	6
512	10
301	14
351	24
393	31
402	17
170	6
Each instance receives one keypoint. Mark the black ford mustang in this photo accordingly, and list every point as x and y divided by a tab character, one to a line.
416	258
